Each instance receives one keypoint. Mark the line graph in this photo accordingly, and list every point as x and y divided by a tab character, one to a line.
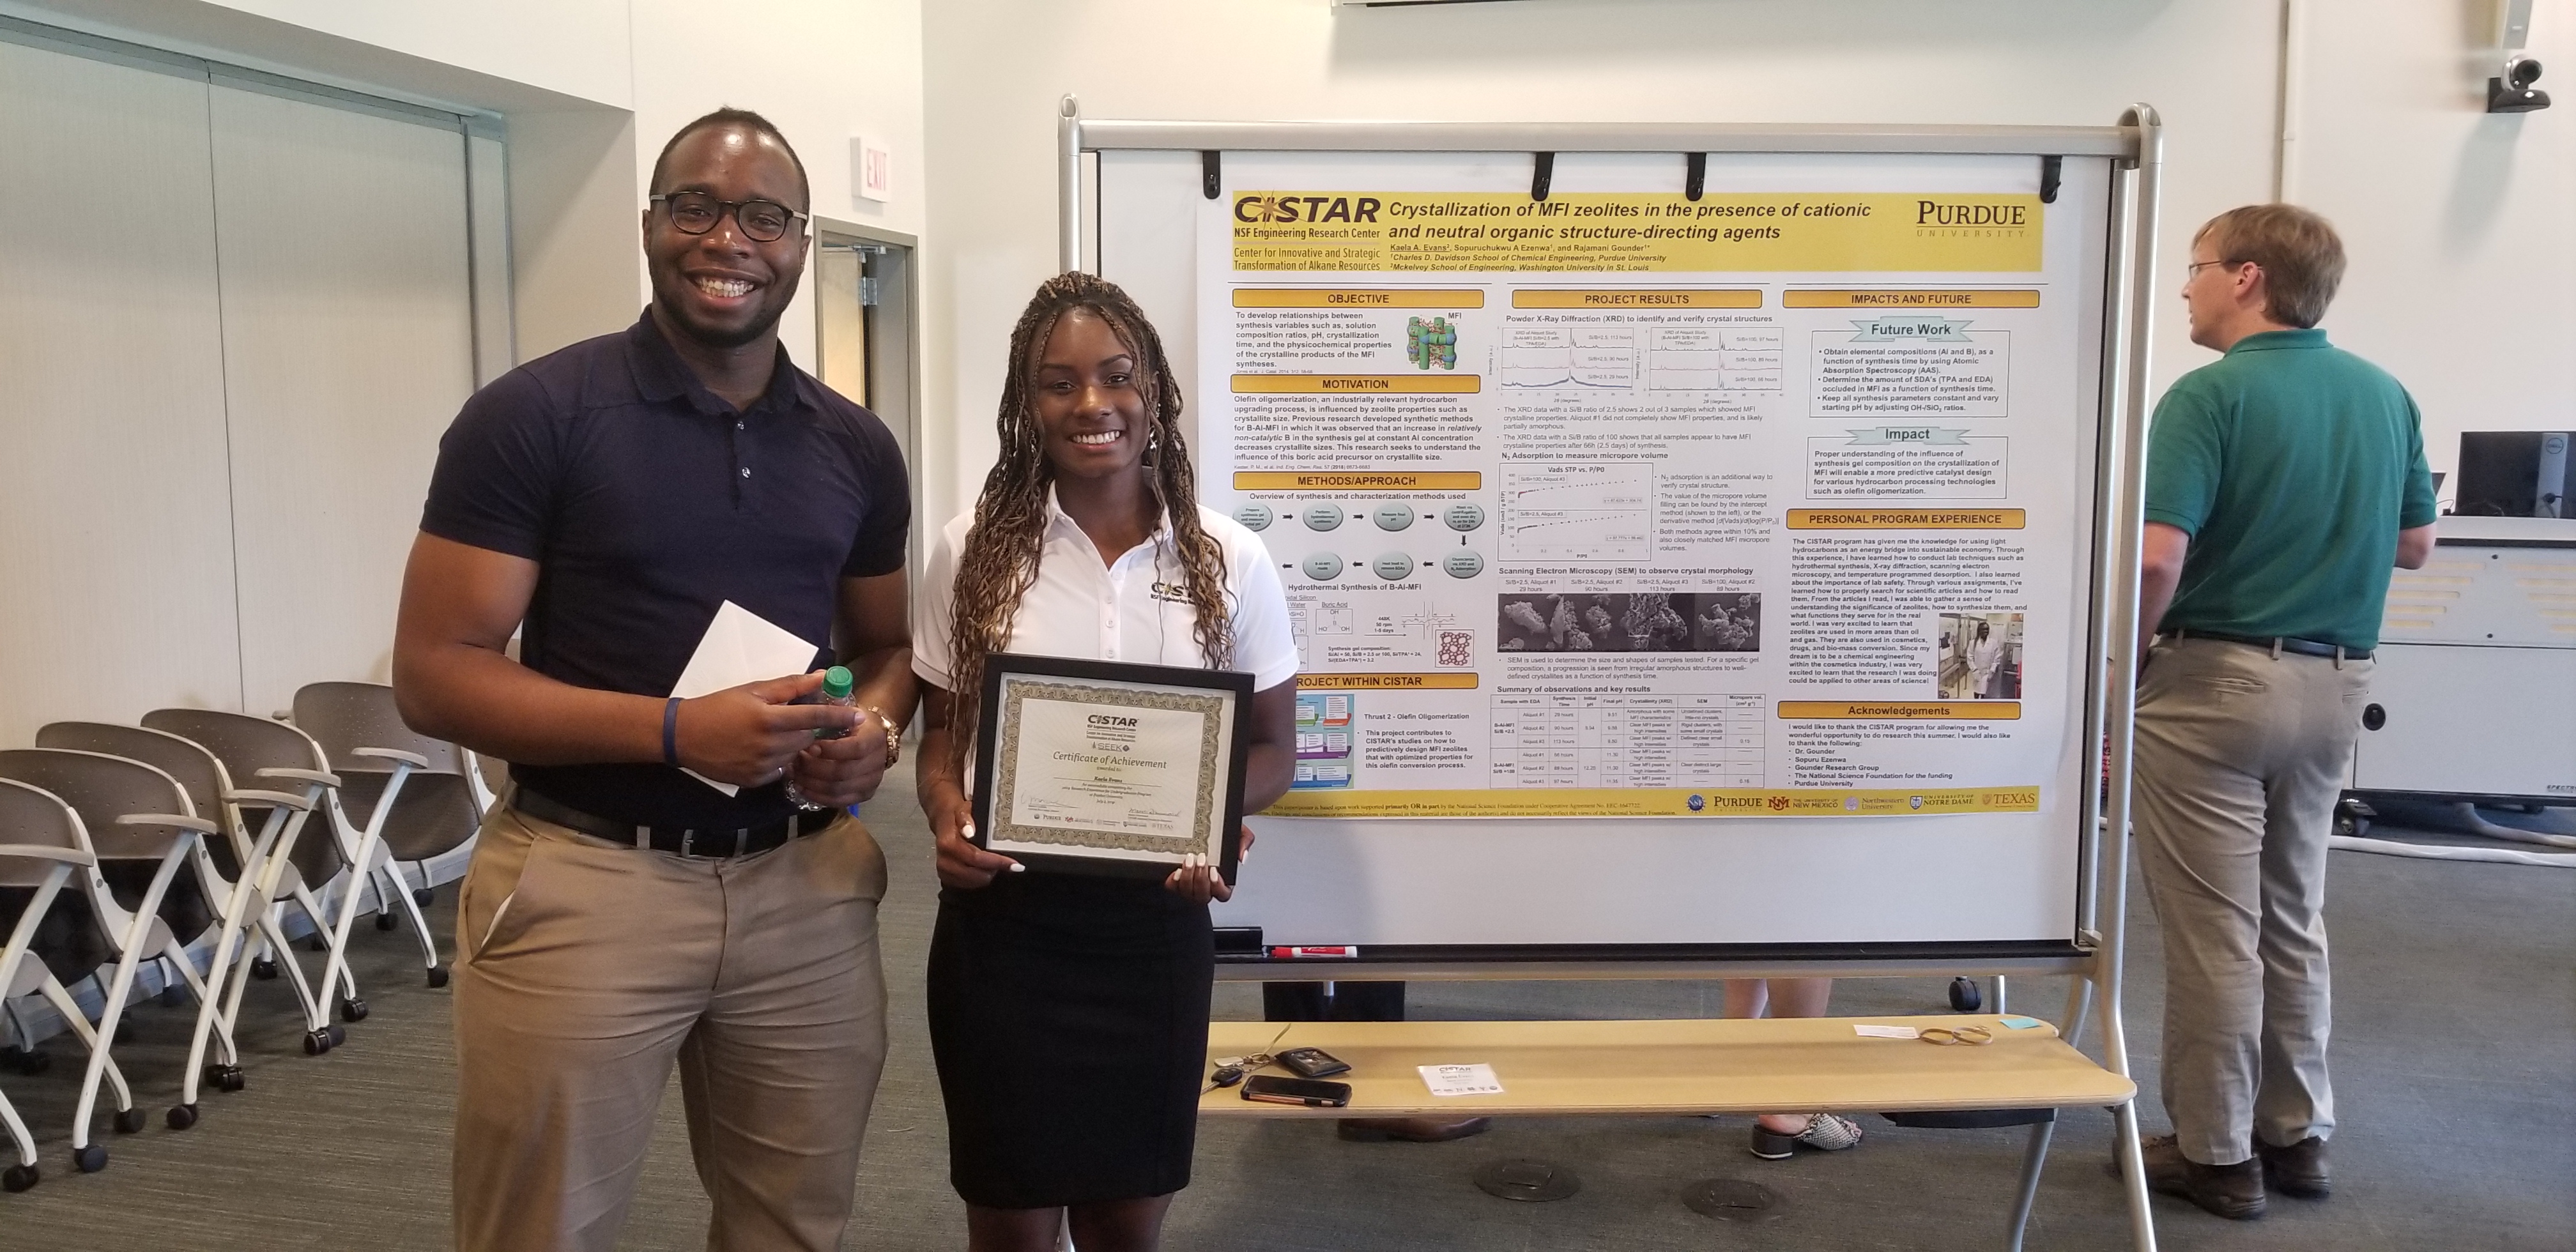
1577	513
1554	357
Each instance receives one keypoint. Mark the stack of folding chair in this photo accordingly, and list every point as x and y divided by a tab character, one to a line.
127	811
41	847
265	817
266	751
421	798
242	896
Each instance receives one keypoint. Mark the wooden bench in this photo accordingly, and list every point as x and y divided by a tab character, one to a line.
1678	1067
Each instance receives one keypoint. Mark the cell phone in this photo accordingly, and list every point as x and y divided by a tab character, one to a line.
1313	1062
1271	1089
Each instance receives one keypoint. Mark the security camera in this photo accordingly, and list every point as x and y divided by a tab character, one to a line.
2513	92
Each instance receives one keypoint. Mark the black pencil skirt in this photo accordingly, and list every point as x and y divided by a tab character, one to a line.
1069	1018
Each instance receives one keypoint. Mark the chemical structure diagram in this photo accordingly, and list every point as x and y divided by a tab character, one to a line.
1430	343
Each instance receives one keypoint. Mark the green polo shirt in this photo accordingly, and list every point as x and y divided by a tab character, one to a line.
2292	464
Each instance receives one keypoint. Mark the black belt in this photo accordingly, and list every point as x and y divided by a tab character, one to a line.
679	840
2304	647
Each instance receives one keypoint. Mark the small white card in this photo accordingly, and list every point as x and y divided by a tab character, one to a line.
1458	1080
740	646
1887	1032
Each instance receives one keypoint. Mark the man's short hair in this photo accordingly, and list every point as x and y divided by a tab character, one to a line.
748	120
2301	256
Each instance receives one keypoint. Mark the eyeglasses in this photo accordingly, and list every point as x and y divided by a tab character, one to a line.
696	213
2192	271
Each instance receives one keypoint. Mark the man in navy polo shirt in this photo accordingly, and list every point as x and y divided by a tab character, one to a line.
621	916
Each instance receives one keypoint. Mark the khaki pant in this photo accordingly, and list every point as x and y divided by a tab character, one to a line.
2241	756
585	970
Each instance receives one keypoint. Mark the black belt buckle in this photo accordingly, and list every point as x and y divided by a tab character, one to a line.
737	841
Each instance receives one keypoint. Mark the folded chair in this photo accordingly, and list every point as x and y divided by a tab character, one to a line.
241	897
418	795
262	750
41	847
489	775
128	811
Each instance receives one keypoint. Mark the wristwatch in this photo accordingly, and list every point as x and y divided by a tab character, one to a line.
894	734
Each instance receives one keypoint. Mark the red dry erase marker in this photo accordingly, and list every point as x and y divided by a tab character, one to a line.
1340	951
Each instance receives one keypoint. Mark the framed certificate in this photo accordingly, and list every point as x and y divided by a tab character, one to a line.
1110	768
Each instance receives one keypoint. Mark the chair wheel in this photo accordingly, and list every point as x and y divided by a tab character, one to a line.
423	896
182	1116
27	1061
263	969
19	1177
225	1077
316	1042
385	920
438	975
336	1035
175	996
1965	996
353	1010
89	1160
316	943
131	1120
124	1031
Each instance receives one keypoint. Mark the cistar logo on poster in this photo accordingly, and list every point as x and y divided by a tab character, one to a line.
1305	208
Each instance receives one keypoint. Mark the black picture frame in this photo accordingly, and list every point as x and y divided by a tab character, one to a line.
1002	669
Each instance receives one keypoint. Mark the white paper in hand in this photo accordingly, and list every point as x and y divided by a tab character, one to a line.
740	646
1459	1080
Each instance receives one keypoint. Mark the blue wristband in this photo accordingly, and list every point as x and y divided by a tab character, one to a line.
671	732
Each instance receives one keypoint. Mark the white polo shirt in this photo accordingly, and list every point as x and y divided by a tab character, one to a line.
1131	609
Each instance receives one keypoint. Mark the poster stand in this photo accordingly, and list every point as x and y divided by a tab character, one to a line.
2093	960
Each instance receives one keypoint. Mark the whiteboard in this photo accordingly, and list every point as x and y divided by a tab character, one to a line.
1513	887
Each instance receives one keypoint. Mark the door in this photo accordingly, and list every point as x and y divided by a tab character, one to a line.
865	332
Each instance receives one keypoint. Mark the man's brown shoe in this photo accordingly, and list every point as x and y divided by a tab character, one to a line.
2299	1169
1413	1129
2231	1191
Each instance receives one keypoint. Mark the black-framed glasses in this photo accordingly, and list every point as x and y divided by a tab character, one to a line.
696	213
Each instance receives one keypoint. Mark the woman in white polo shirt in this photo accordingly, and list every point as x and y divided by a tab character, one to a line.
1068	1013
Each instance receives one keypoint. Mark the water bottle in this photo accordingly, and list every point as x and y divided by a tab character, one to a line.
839	687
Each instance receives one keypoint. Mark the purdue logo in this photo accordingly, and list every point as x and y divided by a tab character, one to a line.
1960	213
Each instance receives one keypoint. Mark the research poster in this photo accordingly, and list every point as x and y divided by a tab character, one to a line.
1622	503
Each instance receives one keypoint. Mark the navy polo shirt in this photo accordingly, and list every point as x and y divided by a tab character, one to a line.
647	502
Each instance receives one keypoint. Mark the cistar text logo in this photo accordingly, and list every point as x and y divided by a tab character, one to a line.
1305	208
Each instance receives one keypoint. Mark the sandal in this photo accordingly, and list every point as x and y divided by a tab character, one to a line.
1824	1132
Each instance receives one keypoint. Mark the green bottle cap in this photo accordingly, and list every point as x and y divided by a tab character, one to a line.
837	683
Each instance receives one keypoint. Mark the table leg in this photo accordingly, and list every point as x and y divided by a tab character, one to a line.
2033	1159
2133	1177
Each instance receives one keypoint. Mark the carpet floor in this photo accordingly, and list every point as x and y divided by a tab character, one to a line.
2454	1050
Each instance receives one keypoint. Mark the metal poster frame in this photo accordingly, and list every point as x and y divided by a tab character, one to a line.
2135	145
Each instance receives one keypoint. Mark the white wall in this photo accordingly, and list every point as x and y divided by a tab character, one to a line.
591	88
2461	225
2441	204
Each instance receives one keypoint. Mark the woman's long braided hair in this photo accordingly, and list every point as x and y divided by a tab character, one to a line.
1000	560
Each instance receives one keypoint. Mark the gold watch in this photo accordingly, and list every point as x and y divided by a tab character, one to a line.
893	733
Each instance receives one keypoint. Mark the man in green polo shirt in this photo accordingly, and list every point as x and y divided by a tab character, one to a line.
2283	482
